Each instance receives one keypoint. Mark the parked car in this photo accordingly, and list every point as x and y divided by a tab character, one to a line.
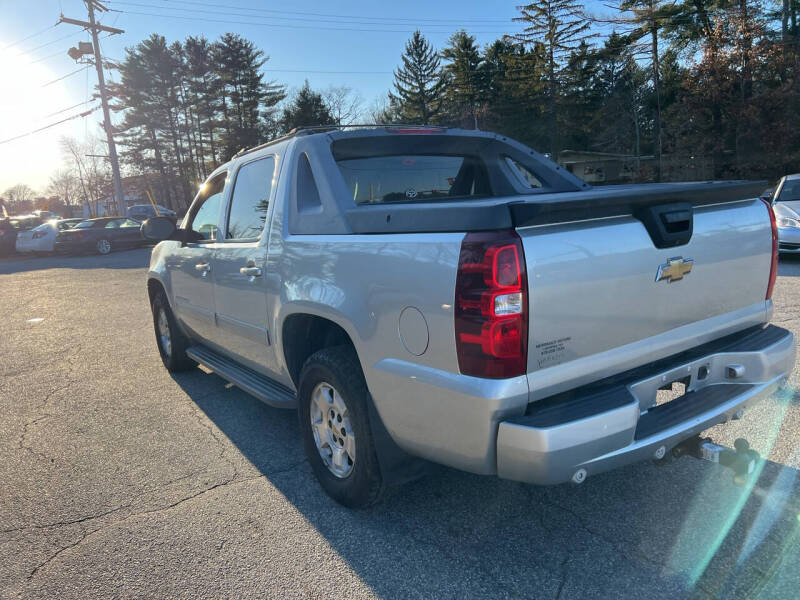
100	235
141	212
43	237
11	227
786	204
46	214
455	296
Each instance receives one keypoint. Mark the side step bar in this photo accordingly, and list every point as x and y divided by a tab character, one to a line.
262	387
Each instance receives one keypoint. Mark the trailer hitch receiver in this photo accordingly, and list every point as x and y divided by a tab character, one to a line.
741	459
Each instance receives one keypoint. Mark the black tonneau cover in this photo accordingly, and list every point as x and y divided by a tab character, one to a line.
542	208
612	201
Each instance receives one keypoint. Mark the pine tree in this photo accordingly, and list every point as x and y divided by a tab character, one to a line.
418	83
464	78
248	103
560	26
515	83
306	109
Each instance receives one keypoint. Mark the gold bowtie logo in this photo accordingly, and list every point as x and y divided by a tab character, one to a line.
674	269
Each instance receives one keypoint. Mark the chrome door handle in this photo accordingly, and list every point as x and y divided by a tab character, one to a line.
250	271
204	267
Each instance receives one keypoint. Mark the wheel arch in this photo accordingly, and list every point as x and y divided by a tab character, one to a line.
302	334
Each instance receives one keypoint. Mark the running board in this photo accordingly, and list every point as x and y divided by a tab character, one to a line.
262	387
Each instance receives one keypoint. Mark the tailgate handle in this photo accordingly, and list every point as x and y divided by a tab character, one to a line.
669	225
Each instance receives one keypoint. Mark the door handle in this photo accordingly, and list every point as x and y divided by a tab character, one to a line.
250	271
203	267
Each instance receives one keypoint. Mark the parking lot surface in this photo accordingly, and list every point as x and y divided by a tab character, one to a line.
120	480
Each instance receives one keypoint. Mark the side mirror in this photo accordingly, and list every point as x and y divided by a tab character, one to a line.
158	229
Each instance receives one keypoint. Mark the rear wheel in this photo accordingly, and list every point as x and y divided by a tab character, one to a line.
332	407
103	246
171	341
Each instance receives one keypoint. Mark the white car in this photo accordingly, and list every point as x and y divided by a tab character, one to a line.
43	237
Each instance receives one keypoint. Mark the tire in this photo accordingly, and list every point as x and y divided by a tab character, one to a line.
353	483
103	246
172	348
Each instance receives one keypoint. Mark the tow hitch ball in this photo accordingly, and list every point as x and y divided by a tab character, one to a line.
741	459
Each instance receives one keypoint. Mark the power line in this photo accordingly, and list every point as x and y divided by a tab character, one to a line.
27	37
284	26
78	116
55	41
83	68
63	110
38	60
448	21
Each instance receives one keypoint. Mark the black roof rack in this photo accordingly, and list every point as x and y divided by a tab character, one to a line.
321	128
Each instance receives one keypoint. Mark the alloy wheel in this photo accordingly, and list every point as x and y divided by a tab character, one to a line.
333	431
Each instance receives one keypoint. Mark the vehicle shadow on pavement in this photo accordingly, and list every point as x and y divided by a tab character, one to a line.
681	530
123	259
789	265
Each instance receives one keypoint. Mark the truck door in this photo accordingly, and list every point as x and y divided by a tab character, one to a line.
239	265
190	266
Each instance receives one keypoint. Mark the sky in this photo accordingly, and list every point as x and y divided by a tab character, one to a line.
355	43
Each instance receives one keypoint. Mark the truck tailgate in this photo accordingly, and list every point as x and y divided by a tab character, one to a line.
597	308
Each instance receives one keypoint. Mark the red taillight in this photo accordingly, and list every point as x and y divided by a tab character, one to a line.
491	306
773	270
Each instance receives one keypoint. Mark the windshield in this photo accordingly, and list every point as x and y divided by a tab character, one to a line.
414	178
790	192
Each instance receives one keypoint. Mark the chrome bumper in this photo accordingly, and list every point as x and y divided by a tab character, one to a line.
728	379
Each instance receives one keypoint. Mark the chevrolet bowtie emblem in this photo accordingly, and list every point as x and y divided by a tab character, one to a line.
674	269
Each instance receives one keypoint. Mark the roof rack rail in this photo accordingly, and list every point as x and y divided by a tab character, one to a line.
320	128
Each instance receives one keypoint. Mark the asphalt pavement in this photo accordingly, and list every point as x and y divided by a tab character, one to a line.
120	480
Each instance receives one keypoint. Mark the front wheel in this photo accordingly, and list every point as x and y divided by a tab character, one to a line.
332	407
171	341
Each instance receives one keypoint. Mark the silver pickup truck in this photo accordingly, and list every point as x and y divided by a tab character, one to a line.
453	296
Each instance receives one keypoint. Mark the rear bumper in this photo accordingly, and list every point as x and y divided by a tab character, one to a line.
614	422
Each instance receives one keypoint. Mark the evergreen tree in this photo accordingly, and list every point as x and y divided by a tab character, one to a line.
464	79
616	124
515	83
560	26
246	98
418	83
306	109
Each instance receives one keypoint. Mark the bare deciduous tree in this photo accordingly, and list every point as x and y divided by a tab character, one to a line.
19	197
344	104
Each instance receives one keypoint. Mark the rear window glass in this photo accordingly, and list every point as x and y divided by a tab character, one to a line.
414	178
523	173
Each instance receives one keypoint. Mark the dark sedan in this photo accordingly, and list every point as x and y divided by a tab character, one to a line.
100	235
10	227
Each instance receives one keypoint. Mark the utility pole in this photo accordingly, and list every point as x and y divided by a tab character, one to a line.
94	27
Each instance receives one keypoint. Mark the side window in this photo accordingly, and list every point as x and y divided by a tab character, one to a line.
129	223
113	224
250	199
523	173
206	218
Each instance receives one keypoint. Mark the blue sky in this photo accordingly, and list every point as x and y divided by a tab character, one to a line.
305	39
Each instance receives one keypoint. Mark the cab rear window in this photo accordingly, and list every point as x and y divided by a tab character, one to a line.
414	178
